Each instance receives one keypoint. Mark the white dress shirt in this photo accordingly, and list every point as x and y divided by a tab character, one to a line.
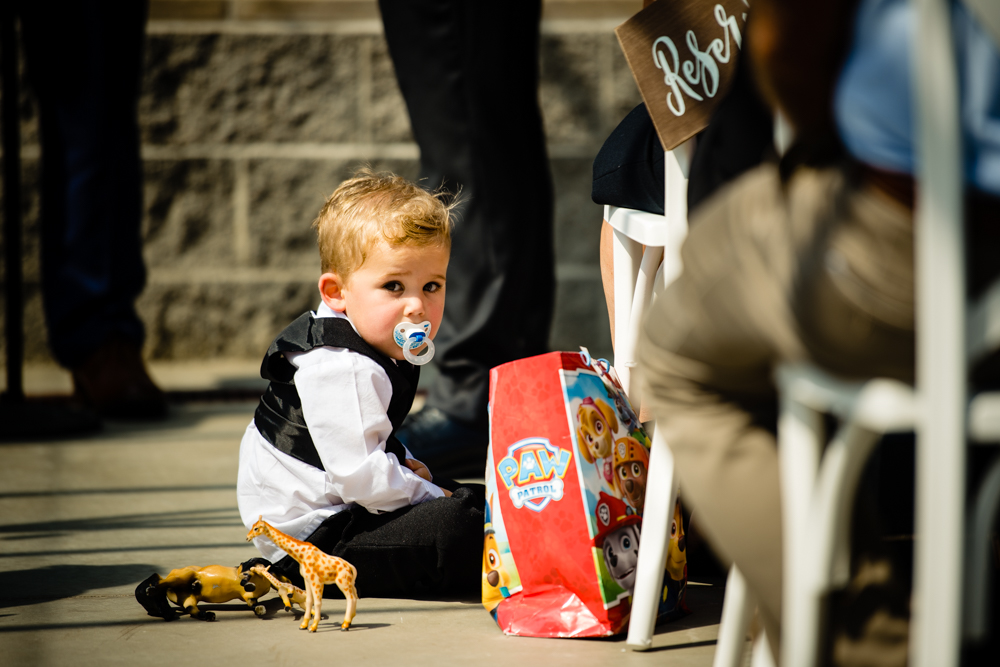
344	396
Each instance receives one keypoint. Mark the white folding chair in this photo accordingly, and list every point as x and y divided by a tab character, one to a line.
818	485
646	259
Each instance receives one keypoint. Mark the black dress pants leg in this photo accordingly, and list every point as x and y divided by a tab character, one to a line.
469	74
434	549
84	61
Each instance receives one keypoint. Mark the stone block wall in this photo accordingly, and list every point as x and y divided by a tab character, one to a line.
249	119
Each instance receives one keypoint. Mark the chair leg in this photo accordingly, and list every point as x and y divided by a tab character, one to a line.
658	512
817	535
761	656
626	256
979	579
823	558
800	442
736	610
836	489
627	342
935	625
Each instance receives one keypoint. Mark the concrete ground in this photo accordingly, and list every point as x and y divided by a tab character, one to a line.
85	520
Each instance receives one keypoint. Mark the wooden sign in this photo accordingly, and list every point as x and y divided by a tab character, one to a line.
683	56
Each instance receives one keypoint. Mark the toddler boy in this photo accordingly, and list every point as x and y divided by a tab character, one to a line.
319	461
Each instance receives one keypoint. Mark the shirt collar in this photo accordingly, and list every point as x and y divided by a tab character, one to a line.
326	311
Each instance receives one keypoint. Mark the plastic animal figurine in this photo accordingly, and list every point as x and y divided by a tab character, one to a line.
187	586
317	568
289	593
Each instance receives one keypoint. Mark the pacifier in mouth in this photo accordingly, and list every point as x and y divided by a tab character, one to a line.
410	337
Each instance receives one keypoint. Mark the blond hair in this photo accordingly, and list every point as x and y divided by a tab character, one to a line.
373	207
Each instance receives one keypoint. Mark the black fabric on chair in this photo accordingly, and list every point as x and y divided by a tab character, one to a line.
628	170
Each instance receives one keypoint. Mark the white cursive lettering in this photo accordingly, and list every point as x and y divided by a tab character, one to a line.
734	29
703	69
670	77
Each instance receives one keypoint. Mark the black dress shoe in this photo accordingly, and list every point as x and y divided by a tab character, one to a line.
113	382
448	447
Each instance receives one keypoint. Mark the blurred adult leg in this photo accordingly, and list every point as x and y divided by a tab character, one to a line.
84	62
469	74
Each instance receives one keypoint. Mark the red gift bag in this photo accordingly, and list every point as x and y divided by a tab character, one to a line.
565	484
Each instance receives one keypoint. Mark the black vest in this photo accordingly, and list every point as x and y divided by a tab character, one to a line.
279	414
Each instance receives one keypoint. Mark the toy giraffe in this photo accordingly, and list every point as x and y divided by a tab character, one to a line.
288	592
317	568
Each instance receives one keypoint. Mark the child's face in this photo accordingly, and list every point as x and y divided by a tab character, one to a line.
397	283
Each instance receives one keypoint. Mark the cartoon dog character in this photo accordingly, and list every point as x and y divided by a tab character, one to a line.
631	470
595	431
676	580
618	539
496	579
677	549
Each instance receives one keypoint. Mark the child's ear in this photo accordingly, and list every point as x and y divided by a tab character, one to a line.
331	289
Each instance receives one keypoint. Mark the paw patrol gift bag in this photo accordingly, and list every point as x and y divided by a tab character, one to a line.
565	485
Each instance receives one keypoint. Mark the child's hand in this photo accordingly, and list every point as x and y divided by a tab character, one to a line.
419	468
447	493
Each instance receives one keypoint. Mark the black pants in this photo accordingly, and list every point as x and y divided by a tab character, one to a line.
469	74
434	549
84	61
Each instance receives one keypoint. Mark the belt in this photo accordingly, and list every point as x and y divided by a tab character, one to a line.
982	222
980	207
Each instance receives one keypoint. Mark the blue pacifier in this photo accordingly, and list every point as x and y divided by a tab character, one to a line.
411	337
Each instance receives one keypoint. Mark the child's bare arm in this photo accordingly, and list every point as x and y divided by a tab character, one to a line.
419	468
422	471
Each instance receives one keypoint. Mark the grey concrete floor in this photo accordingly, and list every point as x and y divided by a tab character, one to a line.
85	520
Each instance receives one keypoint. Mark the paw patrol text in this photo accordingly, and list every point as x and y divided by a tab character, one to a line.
532	471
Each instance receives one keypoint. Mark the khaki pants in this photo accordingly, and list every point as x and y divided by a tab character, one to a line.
816	268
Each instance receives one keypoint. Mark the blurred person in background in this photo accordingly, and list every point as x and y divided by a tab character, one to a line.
84	63
811	258
469	74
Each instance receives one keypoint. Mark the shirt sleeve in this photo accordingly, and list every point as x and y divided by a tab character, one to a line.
345	396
